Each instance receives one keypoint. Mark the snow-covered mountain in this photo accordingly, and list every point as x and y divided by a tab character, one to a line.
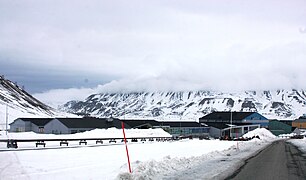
280	104
16	102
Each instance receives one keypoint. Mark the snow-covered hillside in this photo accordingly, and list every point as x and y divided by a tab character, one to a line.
16	102
281	104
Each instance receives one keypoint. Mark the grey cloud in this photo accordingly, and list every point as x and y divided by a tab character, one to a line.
157	44
37	79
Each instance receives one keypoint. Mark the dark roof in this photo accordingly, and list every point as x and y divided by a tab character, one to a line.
180	124
37	121
227	115
140	123
288	122
154	123
303	117
300	120
90	122
224	125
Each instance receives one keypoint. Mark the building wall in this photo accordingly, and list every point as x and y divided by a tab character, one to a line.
257	118
78	130
194	131
214	132
18	126
56	127
24	126
28	126
300	125
34	128
238	131
21	126
277	127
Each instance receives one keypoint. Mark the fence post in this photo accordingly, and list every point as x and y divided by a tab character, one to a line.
126	148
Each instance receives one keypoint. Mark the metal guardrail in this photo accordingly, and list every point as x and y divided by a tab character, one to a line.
13	143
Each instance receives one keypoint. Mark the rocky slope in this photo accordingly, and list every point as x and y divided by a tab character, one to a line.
16	102
280	104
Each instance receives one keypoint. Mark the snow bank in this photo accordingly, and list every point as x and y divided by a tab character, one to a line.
261	132
287	135
302	132
96	133
213	164
117	133
300	143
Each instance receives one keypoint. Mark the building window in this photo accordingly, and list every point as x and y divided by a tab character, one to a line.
41	129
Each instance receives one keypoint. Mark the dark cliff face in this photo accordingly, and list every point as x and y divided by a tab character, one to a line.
191	104
16	97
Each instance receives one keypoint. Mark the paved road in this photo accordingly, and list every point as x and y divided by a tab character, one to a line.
279	161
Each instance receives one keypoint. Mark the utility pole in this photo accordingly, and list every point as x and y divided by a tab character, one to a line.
6	119
231	125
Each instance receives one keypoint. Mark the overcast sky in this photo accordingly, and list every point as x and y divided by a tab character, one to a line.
138	45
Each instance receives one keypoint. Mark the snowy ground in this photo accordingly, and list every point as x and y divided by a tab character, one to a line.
300	143
184	159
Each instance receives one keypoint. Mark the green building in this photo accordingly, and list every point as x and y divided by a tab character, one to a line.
280	127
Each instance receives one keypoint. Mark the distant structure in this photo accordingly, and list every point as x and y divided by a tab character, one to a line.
175	128
62	125
29	124
76	125
300	122
215	124
278	127
233	124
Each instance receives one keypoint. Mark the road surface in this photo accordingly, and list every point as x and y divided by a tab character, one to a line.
281	161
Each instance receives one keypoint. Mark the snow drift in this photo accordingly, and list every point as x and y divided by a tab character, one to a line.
263	134
213	163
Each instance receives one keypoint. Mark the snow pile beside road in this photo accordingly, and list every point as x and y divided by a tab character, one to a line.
209	164
300	143
213	164
263	133
287	135
117	133
25	135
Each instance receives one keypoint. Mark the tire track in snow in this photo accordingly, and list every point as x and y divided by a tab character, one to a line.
11	168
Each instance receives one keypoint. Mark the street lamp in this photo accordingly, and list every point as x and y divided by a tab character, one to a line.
231	125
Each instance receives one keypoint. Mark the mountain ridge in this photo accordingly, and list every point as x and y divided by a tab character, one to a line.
276	104
15	102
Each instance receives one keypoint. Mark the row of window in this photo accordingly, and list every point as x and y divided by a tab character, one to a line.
194	130
228	120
